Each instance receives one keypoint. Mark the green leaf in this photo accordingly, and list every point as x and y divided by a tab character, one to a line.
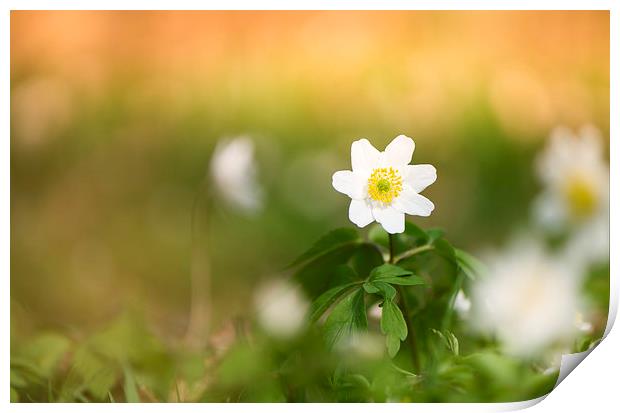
470	265
413	237
392	320
329	242
449	339
326	271
45	352
393	274
392	342
343	274
409	280
388	271
444	249
393	326
130	388
89	372
366	257
370	288
415	232
378	235
325	300
17	379
379	287
347	317
434	234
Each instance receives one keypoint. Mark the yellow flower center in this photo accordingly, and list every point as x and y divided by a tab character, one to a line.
581	196
384	185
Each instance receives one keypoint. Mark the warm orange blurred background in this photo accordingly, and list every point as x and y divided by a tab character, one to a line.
114	116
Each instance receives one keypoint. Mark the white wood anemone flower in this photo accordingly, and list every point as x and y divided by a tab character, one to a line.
529	298
575	178
383	187
234	171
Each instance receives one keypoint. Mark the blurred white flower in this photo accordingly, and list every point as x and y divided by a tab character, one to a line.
365	345
582	324
529	299
234	171
462	304
589	244
281	308
383	187
575	178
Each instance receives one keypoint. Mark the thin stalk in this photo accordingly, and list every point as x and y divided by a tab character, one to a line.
409	253
404	307
196	335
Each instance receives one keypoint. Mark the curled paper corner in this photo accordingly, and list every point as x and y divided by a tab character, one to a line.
515	406
567	365
570	361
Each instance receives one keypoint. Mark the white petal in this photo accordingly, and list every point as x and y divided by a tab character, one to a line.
349	183
550	212
364	156
399	151
360	213
413	203
391	220
419	176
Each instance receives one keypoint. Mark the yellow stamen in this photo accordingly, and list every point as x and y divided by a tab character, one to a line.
384	185
581	196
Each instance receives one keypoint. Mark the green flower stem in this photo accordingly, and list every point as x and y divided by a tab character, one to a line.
404	307
409	253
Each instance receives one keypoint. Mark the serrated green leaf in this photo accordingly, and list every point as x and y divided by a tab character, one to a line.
328	242
407	280
449	339
392	342
325	300
393	326
370	288
347	317
453	342
380	287
392	320
388	271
